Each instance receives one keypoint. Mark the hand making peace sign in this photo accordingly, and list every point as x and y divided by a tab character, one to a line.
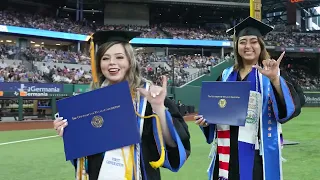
271	67
156	94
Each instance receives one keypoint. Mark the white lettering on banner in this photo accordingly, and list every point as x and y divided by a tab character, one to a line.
24	87
226	44
37	94
248	133
112	167
3	28
35	89
312	99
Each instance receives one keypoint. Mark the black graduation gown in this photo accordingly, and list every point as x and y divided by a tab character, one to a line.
234	132
148	145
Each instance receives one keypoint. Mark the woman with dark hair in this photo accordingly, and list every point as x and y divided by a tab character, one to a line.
253	151
165	141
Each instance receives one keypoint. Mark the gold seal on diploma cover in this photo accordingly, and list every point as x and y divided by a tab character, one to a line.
222	103
97	121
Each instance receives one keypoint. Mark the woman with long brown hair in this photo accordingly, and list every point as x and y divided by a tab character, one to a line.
253	151
164	134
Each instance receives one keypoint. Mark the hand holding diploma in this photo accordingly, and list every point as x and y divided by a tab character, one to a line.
59	124
200	121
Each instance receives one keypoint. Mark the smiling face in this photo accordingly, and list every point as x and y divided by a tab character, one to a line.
114	64
249	49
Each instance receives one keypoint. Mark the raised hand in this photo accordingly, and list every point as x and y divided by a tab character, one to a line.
156	94
271	67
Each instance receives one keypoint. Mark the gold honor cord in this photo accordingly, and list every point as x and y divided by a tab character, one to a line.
128	166
82	171
160	162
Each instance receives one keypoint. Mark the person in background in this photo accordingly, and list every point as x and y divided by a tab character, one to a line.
253	152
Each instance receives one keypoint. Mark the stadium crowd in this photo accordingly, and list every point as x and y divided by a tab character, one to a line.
48	70
280	37
66	74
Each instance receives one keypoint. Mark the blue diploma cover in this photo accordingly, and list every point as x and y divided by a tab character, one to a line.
225	103
99	121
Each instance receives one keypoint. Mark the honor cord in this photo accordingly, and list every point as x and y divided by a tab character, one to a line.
160	162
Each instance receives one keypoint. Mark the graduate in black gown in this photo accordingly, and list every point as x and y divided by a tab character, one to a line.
280	101
164	133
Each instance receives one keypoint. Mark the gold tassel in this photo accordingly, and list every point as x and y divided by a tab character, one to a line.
93	62
160	162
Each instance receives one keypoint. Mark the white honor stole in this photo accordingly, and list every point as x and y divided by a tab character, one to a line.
114	164
249	132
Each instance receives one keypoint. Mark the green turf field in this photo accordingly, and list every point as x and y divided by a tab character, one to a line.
44	159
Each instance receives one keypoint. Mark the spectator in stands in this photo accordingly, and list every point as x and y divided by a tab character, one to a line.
116	62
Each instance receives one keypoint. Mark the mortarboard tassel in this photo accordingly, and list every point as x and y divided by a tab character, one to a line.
93	62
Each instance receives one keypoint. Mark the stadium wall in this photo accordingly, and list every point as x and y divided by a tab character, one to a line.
214	74
190	93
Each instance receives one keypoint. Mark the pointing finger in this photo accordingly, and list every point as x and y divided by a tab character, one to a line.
164	82
280	58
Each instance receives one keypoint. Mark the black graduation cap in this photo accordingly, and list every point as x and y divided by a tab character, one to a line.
101	37
250	26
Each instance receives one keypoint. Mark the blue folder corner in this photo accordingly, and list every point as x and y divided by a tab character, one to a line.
225	103
98	121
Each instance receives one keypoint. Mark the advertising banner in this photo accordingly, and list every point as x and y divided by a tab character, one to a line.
137	41
312	99
34	94
81	88
31	87
180	42
298	49
43	33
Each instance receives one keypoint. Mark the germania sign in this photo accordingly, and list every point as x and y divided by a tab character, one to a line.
31	87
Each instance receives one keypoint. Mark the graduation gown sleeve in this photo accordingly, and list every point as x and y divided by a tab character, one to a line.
291	107
209	131
175	156
296	86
